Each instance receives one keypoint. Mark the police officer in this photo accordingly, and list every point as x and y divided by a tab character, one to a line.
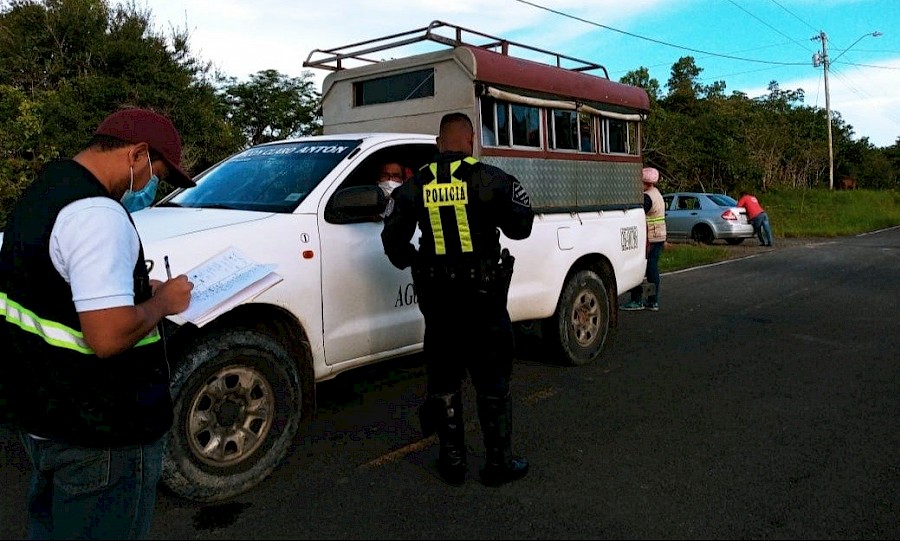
462	280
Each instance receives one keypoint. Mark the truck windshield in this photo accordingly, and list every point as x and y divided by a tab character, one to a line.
268	178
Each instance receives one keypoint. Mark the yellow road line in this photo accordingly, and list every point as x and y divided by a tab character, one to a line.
416	446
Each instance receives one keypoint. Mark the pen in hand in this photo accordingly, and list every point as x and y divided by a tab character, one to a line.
168	270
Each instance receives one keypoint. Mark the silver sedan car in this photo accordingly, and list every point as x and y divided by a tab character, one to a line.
706	217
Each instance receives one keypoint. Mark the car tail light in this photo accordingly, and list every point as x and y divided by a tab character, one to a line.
729	215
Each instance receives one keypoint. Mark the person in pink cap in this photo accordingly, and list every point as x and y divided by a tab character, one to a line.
85	379
655	209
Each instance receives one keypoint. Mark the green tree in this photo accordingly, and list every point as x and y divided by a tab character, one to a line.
701	139
641	78
892	155
271	106
683	85
651	140
72	62
22	149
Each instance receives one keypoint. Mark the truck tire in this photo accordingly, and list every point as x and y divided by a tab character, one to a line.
237	395
578	329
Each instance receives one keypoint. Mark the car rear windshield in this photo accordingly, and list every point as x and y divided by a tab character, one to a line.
723	200
269	178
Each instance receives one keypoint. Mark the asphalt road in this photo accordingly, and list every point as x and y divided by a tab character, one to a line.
761	402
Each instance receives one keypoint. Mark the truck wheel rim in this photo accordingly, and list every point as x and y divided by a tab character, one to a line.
585	318
230	416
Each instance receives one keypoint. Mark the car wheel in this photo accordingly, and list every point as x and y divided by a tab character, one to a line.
237	400
702	234
578	329
734	242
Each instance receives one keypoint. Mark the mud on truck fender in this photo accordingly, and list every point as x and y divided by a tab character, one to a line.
240	394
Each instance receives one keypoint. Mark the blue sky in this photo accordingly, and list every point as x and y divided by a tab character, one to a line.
745	43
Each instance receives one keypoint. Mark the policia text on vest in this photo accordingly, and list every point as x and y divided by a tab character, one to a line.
437	195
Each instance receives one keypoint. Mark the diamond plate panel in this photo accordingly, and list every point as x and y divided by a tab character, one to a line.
575	184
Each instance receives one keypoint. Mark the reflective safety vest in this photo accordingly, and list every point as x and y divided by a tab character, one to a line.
51	382
449	193
656	216
54	333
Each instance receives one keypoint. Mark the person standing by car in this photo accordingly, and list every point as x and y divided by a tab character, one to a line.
655	209
462	280
85	378
758	217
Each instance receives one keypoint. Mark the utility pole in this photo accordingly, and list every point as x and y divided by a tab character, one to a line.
823	60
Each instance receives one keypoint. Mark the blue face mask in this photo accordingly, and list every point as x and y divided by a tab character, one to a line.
135	201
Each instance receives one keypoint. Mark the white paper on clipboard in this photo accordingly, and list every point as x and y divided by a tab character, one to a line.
223	282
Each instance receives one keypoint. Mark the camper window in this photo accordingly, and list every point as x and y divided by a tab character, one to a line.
488	126
400	87
620	137
633	139
616	136
572	131
502	110
526	125
565	130
510	124
586	128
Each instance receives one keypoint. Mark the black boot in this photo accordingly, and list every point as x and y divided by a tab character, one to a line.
451	463
496	424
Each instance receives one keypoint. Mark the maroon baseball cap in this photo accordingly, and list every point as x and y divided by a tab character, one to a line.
143	126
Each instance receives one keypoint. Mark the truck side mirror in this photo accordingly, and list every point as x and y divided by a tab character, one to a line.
356	204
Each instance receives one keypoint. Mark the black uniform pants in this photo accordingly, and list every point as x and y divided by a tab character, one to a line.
467	331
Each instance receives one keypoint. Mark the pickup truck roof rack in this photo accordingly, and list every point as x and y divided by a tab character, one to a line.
357	53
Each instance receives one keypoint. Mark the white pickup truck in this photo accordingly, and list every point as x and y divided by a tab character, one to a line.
244	383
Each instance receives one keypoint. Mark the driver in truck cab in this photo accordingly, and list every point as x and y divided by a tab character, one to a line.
392	175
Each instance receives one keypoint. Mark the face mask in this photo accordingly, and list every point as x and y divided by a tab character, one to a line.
388	186
135	201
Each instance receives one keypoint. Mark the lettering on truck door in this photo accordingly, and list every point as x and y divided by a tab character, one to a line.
369	305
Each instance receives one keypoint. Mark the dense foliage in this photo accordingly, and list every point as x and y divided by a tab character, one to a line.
272	106
65	64
701	139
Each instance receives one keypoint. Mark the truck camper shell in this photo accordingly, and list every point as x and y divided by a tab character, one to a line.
571	137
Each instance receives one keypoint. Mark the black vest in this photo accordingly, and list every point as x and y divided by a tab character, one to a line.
457	222
51	384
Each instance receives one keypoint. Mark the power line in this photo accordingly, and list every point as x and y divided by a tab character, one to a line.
667	44
868	66
795	16
739	58
723	77
708	53
802	45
